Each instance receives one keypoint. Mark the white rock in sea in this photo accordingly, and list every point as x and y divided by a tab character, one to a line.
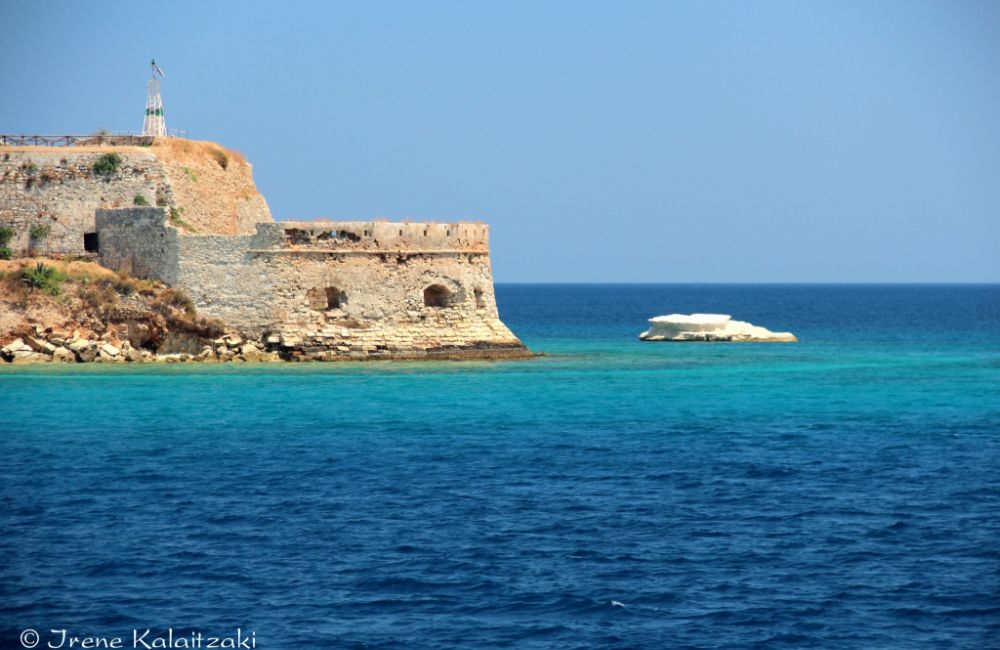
708	327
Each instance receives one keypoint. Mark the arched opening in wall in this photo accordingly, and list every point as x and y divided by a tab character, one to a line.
90	242
436	295
323	298
480	301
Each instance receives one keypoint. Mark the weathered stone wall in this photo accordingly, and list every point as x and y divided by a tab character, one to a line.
226	280
137	240
330	289
59	188
380	303
203	186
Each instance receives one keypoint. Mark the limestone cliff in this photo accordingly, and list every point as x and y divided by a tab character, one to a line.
205	188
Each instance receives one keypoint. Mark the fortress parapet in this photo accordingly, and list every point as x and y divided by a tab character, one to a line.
384	236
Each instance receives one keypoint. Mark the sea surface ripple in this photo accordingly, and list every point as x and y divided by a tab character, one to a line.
842	492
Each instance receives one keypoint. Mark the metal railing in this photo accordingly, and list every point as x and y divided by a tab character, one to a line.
95	140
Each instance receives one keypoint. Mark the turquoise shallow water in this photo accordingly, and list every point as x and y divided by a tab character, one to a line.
838	492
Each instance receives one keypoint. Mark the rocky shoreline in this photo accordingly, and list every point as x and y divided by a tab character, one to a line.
55	311
47	346
56	347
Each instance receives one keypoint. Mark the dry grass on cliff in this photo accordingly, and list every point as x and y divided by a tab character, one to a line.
94	300
73	268
212	185
194	151
74	280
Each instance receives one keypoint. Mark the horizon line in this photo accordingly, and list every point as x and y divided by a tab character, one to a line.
769	282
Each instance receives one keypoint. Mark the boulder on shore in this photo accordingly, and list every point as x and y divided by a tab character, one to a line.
709	327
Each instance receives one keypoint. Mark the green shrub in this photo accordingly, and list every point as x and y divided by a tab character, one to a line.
6	232
107	164
5	253
176	220
29	167
191	175
140	200
45	278
39	232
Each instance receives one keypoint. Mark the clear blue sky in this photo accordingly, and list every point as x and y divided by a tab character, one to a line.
660	142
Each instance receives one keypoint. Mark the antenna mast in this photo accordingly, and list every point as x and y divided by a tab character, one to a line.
154	124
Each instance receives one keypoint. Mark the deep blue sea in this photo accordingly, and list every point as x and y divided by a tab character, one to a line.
839	492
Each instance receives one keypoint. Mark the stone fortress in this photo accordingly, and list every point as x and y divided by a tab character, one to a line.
188	213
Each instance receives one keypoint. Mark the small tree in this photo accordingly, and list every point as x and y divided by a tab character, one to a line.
140	200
